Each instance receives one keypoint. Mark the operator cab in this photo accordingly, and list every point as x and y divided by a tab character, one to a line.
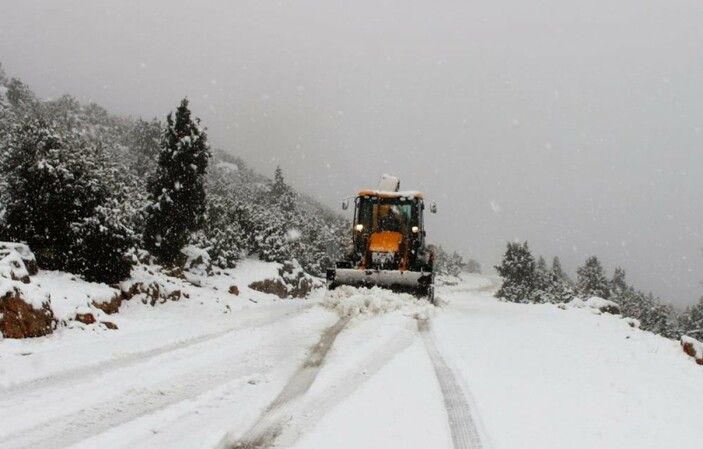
388	228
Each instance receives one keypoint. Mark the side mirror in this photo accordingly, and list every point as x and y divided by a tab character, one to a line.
433	207
345	204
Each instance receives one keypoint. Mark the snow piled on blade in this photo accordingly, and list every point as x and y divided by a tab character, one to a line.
352	301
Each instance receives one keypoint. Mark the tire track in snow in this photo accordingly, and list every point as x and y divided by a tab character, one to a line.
317	407
463	428
137	402
72	375
98	418
269	426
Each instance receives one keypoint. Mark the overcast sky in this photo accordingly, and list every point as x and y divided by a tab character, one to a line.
574	124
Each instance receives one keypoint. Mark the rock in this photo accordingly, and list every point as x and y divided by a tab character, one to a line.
174	295
111	306
25	254
271	286
632	322
110	325
197	260
303	288
85	318
12	266
292	282
150	293
596	304
693	348
19	319
234	290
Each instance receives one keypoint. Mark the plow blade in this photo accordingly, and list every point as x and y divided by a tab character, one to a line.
417	282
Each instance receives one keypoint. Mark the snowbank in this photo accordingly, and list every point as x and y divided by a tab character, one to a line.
71	295
351	301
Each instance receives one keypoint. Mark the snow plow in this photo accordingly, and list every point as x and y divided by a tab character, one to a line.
388	239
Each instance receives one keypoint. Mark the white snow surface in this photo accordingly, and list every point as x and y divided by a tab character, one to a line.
185	374
594	303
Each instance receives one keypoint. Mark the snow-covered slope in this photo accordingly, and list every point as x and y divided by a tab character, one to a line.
377	371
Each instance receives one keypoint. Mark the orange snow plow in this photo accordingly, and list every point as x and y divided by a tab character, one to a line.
388	237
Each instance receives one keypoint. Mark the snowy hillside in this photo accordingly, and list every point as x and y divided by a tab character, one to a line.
348	369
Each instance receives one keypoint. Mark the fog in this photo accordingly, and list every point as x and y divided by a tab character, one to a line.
575	125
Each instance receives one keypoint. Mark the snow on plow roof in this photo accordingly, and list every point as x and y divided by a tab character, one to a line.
387	194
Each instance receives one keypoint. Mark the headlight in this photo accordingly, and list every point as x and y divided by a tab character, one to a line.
359	227
415	229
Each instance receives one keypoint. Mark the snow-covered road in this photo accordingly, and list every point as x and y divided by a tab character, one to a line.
367	369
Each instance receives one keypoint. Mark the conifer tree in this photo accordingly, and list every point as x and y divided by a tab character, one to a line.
692	320
177	193
591	280
57	201
542	264
19	95
517	269
618	285
559	290
51	184
542	282
557	270
143	141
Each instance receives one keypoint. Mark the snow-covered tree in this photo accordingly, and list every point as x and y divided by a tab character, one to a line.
618	285
176	192
448	263
517	269
224	233
692	320
56	200
473	266
557	270
19	95
3	76
591	280
541	282
144	143
101	244
559	290
51	184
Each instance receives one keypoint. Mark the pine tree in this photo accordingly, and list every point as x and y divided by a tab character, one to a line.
143	141
517	269
557	270
559	290
57	201
176	192
473	266
279	186
100	246
692	320
282	195
542	282
3	76
618	285
224	234
19	95
591	280
51	184
542	264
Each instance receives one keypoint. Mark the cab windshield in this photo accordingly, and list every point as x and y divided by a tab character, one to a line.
386	214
